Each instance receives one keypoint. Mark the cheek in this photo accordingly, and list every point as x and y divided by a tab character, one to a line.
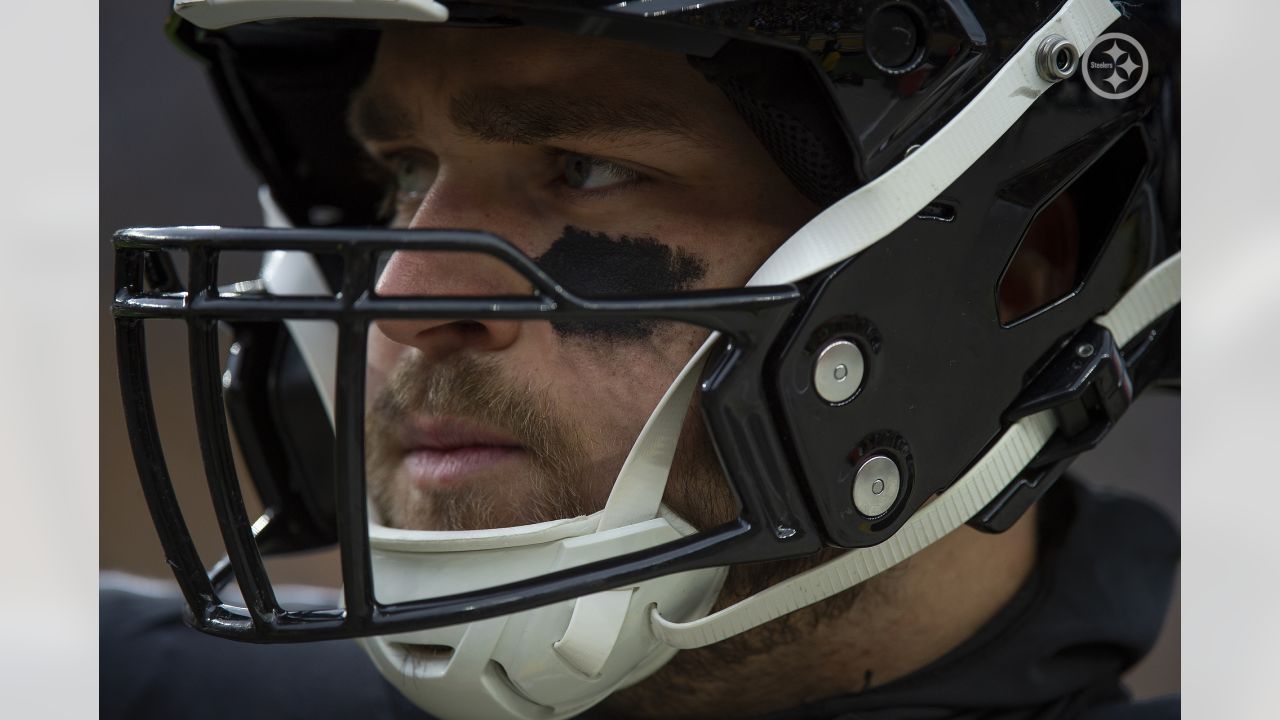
613	388
730	247
736	251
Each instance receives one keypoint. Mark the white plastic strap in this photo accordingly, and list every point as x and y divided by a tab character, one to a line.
1154	295
970	494
594	629
637	493
854	224
292	272
1145	301
859	220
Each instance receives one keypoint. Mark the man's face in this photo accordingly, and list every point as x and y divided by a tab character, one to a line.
620	171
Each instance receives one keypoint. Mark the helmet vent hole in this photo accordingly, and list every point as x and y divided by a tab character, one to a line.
941	212
1071	228
422	661
424	652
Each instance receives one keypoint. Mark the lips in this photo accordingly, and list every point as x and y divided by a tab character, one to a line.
441	452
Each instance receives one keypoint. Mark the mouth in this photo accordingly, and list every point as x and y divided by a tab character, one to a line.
441	452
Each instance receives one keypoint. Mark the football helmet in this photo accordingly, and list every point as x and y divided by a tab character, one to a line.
879	381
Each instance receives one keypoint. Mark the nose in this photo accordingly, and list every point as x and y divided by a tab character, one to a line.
453	274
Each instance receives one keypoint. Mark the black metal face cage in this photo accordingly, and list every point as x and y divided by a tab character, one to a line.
751	434
744	316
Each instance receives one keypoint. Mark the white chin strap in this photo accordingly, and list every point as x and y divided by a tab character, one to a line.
555	661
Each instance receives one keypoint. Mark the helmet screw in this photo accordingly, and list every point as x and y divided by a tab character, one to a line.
1056	58
876	486
1084	350
838	372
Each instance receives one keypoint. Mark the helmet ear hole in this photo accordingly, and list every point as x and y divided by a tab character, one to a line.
1062	244
1044	266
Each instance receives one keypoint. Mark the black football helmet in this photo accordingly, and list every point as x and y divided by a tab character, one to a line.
881	358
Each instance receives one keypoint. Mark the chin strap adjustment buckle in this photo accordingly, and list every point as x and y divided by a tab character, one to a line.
1088	387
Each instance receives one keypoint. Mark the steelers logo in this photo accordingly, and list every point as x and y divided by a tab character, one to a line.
1115	66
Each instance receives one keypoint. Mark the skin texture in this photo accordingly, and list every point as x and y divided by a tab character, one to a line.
481	142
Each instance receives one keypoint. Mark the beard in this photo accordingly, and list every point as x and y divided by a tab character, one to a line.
561	481
553	482
561	478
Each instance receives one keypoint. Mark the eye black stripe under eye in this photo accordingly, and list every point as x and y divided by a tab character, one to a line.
598	265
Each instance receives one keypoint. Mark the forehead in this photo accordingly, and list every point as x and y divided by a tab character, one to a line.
518	52
421	65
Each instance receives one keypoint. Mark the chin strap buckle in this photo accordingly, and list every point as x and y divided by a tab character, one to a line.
1088	387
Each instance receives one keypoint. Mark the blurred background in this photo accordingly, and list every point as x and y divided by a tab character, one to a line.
167	158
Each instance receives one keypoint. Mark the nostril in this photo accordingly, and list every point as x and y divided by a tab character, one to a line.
469	329
441	337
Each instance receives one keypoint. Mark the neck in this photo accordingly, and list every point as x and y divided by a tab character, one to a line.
894	624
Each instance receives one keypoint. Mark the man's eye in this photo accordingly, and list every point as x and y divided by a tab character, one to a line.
582	172
414	176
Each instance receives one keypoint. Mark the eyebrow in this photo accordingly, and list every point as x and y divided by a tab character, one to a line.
524	116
